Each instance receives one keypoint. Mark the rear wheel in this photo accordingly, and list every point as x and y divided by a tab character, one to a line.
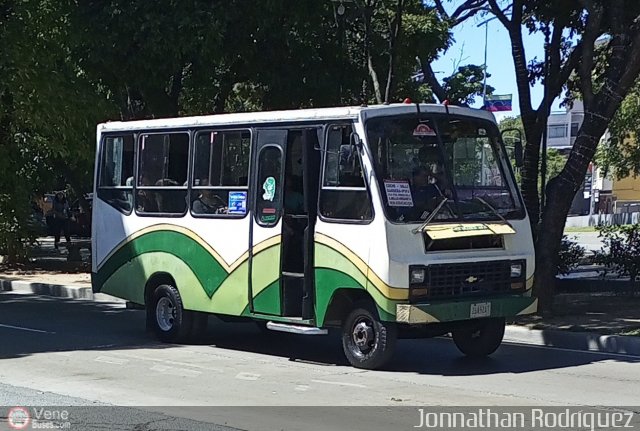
169	320
480	338
367	342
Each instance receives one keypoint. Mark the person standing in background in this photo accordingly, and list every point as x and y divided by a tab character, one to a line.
60	210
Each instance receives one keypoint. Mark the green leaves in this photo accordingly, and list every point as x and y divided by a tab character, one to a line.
619	151
465	84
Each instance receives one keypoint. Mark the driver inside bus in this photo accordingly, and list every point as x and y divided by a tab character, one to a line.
422	189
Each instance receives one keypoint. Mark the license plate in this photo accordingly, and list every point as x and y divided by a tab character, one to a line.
481	309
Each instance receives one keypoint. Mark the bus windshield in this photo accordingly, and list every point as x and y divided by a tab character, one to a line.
421	161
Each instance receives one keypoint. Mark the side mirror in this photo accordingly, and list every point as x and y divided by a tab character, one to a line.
518	149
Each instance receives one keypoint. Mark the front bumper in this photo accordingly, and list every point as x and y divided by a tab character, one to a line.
455	310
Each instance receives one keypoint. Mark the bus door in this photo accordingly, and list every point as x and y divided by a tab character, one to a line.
285	195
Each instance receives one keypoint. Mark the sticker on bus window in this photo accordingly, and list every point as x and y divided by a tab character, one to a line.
398	193
423	130
269	188
237	203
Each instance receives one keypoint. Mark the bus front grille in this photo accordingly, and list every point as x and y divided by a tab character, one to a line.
464	279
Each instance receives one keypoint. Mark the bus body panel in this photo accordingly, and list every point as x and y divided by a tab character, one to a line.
209	258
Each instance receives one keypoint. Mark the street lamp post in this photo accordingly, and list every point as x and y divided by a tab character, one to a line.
484	65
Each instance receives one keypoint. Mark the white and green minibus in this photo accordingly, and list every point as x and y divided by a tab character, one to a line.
389	221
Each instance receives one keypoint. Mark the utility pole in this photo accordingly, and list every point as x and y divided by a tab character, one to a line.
484	65
543	156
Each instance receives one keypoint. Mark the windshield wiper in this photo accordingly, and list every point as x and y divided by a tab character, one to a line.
493	210
433	213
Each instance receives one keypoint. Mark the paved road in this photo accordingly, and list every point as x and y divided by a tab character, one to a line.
74	352
588	240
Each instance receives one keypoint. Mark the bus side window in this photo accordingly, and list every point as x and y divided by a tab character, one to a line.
220	173
344	195
162	173
115	183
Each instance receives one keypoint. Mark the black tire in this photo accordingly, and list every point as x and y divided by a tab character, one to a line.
368	343
480	338
170	321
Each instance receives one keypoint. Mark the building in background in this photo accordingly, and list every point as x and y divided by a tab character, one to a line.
562	127
601	193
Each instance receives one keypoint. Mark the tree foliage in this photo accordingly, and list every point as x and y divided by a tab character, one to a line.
619	151
592	48
465	84
621	250
68	65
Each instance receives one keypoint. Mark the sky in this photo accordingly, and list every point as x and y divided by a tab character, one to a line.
469	45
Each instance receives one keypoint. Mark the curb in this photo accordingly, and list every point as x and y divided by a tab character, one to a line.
54	290
585	341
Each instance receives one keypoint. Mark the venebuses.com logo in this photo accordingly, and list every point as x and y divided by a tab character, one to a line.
18	418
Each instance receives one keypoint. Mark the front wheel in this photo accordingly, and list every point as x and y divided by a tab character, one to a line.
169	320
367	342
480	338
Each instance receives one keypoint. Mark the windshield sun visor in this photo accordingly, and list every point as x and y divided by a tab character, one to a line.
446	231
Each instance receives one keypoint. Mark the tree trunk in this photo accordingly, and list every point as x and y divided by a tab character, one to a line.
374	79
530	169
220	99
560	193
559	197
394	34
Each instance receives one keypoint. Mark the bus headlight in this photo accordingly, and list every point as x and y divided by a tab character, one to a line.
416	276
516	270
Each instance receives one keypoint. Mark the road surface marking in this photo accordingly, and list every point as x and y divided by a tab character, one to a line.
25	329
247	376
111	360
328	382
302	388
181	372
165	361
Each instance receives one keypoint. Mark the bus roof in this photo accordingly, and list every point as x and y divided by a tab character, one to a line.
298	115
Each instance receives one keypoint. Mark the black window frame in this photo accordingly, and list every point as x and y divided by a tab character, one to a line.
101	155
136	187
367	186
191	182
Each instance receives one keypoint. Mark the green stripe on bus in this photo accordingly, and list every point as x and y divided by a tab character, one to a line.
206	268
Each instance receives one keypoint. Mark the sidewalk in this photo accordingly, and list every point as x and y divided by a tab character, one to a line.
600	322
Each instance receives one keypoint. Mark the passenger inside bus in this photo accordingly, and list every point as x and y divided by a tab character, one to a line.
208	202
145	199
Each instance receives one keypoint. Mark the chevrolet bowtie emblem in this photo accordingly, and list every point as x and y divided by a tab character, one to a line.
471	279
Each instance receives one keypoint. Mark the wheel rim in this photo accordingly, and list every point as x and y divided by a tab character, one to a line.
363	334
165	314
